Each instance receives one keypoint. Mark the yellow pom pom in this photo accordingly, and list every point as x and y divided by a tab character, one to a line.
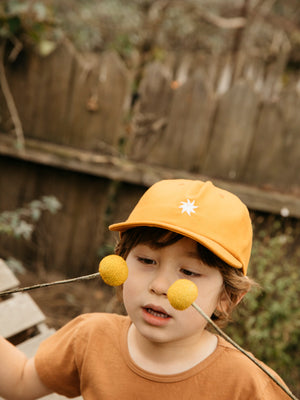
182	294
113	270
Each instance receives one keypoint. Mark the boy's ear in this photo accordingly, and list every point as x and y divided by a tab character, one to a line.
226	304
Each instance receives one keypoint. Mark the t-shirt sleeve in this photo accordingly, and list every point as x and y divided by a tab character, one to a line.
58	362
273	391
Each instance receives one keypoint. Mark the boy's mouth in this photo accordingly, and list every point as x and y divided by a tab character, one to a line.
155	315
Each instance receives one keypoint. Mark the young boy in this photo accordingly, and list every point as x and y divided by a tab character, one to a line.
179	229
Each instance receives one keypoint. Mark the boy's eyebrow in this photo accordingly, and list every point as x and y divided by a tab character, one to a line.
193	254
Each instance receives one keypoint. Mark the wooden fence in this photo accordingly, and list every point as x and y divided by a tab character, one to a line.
237	136
83	133
189	122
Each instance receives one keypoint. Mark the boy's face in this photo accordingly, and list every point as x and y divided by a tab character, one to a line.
151	273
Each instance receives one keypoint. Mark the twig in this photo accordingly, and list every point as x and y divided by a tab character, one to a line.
18	46
221	22
42	285
157	10
226	337
9	100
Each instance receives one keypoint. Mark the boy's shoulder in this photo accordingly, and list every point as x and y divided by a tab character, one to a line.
234	363
237	360
98	321
89	326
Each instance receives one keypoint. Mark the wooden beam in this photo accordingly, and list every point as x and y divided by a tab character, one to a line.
18	314
122	169
7	278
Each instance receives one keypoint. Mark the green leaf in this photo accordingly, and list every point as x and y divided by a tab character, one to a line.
24	230
51	203
14	25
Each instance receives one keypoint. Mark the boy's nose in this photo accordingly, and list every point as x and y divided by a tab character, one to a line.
160	283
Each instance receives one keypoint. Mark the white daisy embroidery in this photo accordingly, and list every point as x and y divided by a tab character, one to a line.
188	207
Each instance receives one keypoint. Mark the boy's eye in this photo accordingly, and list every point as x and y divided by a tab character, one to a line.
188	272
147	261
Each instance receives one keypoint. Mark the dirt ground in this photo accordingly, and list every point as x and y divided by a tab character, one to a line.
61	303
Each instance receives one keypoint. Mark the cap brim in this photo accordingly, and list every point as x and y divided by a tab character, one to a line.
213	246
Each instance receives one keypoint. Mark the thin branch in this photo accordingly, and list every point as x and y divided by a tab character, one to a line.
9	100
43	285
221	22
18	46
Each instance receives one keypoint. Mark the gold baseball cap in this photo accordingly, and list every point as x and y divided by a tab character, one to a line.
214	217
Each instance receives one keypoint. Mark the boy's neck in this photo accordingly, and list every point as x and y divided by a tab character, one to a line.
169	358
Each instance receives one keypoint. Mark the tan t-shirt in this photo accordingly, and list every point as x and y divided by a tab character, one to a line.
89	356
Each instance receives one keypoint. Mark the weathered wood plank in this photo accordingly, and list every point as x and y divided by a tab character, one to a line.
265	164
82	104
151	111
99	101
289	105
143	174
18	314
41	89
232	133
7	278
184	142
